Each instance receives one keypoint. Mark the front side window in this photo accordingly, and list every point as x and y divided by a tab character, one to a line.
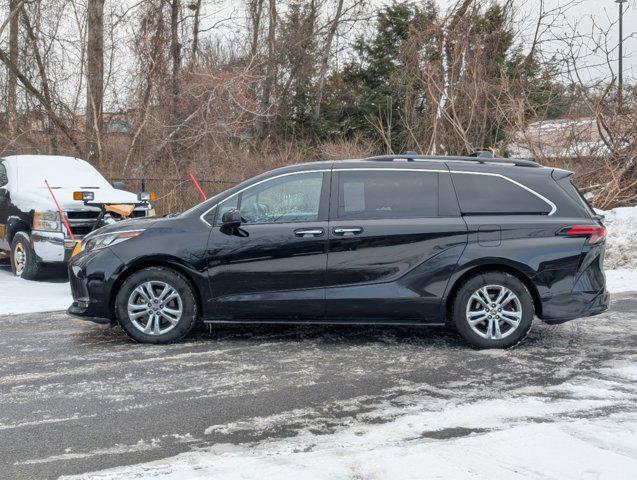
387	194
4	179
288	199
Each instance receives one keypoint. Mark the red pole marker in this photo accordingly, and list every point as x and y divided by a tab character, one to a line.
62	216
198	186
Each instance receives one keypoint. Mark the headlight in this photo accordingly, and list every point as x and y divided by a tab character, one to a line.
108	239
47	221
151	212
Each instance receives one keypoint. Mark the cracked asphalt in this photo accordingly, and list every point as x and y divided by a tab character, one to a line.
78	397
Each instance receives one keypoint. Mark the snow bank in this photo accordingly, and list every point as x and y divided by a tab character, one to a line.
24	296
577	430
621	280
621	244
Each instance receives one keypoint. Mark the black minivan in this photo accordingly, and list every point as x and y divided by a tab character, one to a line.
480	244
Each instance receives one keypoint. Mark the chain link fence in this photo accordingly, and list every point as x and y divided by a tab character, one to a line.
174	194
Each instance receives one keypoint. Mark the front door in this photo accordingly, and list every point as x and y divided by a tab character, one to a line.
395	238
273	266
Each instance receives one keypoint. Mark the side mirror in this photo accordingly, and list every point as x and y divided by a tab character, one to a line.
119	185
231	219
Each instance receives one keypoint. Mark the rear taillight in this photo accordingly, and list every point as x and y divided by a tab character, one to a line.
595	233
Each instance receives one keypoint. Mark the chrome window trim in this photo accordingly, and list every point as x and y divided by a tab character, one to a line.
530	190
489	174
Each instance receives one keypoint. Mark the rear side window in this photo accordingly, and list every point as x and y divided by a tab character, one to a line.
4	179
572	191
387	194
492	195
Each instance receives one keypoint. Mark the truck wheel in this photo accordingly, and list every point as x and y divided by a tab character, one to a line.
493	310
24	261
156	305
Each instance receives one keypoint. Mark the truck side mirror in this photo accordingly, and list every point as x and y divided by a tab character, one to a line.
119	185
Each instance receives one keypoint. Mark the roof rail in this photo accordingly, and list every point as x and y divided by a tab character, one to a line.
412	156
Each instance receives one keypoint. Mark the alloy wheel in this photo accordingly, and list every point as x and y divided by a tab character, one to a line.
494	312
155	307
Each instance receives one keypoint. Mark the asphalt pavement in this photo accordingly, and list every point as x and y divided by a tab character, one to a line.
78	397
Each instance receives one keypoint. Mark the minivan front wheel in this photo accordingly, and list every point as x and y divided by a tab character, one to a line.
493	310
156	305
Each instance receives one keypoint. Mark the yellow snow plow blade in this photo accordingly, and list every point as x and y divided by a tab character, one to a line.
77	249
123	210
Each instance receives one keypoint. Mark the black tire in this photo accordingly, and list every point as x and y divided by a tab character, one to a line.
464	306
158	276
24	262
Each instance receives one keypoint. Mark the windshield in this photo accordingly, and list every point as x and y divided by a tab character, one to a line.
60	172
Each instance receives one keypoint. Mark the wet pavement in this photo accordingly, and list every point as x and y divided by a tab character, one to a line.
78	397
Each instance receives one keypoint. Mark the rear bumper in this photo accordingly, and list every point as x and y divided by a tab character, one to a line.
563	308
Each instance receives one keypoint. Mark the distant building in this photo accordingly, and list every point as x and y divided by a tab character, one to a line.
566	138
118	126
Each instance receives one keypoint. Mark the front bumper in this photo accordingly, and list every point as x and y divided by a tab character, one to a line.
92	278
52	247
81	309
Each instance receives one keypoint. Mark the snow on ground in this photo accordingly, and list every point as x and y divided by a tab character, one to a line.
621	280
24	296
585	428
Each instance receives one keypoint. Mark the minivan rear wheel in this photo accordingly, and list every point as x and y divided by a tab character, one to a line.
156	305
493	310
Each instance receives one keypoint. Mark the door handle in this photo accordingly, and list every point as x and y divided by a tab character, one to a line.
346	230
309	232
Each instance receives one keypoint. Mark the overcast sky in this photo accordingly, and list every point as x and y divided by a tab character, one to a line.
586	18
589	18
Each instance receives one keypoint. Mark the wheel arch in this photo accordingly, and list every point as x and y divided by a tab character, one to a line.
136	267
493	267
14	226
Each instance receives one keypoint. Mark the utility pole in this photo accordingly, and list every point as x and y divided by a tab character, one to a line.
620	83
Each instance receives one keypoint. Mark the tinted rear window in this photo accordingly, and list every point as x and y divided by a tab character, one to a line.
384	194
575	194
491	195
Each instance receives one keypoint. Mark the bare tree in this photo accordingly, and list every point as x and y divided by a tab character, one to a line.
196	7
326	57
175	52
270	69
44	79
94	79
14	6
150	38
256	12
